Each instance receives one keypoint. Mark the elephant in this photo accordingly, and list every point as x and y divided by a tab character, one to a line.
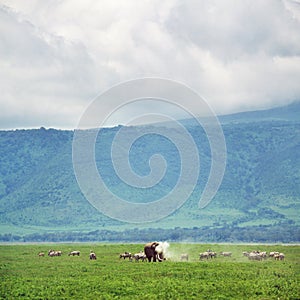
154	250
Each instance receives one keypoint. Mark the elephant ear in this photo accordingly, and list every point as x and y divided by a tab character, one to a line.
154	244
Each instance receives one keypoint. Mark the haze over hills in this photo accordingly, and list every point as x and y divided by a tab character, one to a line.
259	198
282	113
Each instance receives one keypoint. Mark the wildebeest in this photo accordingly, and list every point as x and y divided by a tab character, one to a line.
212	254
226	253
254	256
54	253
204	255
271	254
125	255
138	256
263	254
279	256
93	255
74	253
184	256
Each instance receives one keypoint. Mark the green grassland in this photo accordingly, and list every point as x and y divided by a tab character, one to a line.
24	275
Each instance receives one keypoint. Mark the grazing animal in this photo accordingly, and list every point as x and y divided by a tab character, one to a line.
93	256
208	254
263	254
204	255
184	256
254	256
271	254
125	255
279	256
139	256
41	254
74	253
52	253
226	254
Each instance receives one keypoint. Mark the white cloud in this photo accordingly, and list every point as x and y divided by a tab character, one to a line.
55	56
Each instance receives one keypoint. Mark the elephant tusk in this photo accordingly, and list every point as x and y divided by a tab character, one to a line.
160	259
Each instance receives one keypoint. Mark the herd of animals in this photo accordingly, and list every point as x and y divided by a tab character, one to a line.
155	251
52	253
253	255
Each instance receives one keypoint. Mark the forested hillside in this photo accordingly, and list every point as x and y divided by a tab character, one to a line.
259	195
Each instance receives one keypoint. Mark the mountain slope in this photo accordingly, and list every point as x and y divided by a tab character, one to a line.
288	113
261	186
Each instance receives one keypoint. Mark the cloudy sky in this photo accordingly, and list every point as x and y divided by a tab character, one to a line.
56	56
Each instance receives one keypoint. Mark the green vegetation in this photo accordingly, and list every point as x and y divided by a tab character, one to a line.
24	275
259	195
258	234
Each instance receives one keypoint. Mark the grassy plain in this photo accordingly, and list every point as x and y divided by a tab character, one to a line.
24	275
